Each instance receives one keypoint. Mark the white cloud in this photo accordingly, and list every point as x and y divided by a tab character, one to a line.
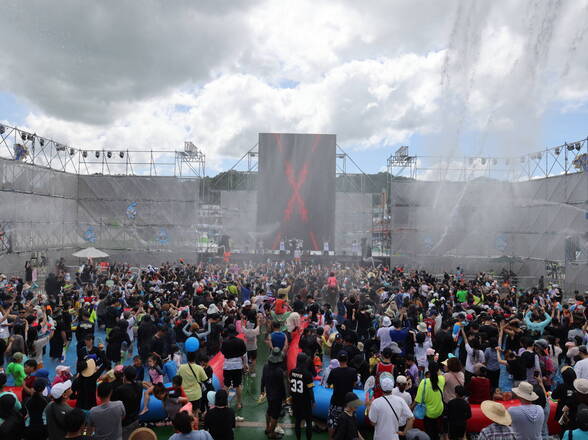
373	73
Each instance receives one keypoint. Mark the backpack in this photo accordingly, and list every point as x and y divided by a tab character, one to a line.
528	359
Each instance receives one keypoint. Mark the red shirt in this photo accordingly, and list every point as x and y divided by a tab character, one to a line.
381	368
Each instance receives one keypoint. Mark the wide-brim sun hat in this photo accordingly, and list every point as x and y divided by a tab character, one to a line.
90	368
496	412
525	391
581	385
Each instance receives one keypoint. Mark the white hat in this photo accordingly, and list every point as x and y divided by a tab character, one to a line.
387	384
212	309
401	379
59	388
246	303
581	385
525	391
386	322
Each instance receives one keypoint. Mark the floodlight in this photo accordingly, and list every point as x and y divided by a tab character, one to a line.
578	146
121	154
30	137
109	154
556	151
41	142
2	129
570	147
23	136
72	152
97	154
85	154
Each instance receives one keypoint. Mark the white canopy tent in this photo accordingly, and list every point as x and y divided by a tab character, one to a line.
90	252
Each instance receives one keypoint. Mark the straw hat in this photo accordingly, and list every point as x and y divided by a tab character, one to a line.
496	412
525	391
90	368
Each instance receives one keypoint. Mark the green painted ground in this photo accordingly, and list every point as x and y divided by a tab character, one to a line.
254	412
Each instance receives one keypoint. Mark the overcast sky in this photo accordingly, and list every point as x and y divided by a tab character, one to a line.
444	77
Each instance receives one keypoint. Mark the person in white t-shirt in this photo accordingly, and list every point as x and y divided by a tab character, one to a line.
400	390
389	413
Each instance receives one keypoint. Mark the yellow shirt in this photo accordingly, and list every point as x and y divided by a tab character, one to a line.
433	398
191	379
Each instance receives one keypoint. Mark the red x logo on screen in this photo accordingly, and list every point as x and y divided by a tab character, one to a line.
295	200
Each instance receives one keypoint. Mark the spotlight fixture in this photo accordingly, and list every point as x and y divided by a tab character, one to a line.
84	154
72	152
556	151
41	142
578	146
109	154
570	147
60	147
23	136
30	137
97	154
121	154
2	129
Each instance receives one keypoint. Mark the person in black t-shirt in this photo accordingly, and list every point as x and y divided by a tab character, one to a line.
301	390
220	420
272	385
347	426
458	413
129	393
342	380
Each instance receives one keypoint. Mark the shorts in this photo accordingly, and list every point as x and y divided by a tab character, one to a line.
252	355
303	411
195	405
233	378
333	416
274	408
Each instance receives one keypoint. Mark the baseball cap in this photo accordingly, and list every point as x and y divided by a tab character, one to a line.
60	388
401	379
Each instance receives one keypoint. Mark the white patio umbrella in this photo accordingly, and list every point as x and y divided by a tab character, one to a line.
90	252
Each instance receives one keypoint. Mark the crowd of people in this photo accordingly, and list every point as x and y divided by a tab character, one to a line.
415	351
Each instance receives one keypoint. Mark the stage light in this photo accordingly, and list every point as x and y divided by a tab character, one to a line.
72	152
121	154
109	154
41	142
570	147
557	151
30	137
578	146
85	154
2	129
97	154
23	136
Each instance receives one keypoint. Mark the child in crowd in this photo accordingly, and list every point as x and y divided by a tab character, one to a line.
16	369
62	374
170	368
30	366
138	364
458	413
156	377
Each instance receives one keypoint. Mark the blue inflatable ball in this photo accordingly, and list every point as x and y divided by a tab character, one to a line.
192	344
